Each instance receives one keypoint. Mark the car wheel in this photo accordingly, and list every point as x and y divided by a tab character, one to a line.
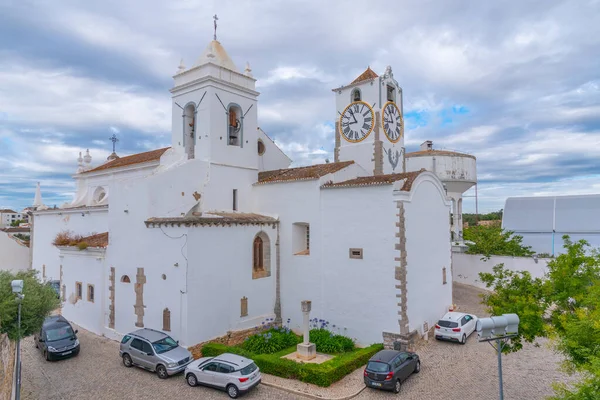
397	386
161	371
464	339
46	356
191	380
127	360
233	391
418	367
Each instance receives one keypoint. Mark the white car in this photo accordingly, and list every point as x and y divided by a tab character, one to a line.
455	326
229	372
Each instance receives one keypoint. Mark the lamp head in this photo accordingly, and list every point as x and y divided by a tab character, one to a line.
17	286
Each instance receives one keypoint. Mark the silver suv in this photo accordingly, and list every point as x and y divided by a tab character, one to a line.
155	351
230	372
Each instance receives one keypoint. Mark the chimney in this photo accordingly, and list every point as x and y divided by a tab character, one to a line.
427	145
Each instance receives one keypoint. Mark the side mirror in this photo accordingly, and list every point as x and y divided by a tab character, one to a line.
76	331
178	342
149	354
41	339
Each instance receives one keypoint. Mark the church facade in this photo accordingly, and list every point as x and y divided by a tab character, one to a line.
216	233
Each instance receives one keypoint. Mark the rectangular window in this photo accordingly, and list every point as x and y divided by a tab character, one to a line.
301	239
356	253
78	290
235	200
90	293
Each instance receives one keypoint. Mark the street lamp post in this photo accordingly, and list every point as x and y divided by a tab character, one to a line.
499	329
17	288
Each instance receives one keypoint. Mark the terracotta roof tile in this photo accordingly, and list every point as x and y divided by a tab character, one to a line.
301	173
8	211
215	218
14	229
365	76
424	153
378	180
97	240
147	156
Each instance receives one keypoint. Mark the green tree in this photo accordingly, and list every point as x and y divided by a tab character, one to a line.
17	222
39	301
564	306
493	240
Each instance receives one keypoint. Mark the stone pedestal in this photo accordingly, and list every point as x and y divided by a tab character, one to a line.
306	351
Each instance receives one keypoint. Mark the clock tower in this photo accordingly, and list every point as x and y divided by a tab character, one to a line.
369	126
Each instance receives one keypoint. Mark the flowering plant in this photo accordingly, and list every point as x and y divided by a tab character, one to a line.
327	337
270	338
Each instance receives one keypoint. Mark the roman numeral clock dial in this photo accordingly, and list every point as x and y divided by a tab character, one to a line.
357	121
392	122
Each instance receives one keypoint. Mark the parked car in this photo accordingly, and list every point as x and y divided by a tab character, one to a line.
154	351
389	368
57	339
232	373
455	326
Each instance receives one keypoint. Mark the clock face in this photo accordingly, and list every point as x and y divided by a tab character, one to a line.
392	122
357	121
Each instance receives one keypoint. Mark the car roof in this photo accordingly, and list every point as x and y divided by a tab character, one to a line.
233	359
54	321
386	355
151	335
453	316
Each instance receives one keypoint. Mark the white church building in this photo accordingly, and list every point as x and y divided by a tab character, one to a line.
216	233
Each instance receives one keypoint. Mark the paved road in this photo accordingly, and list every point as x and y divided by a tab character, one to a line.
449	371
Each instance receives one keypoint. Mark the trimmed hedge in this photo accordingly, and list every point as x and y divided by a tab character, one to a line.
319	374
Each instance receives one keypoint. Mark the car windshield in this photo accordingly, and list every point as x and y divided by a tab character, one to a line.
164	345
447	324
377	366
64	332
248	369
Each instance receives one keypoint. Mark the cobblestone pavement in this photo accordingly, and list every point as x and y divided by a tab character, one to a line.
449	371
452	371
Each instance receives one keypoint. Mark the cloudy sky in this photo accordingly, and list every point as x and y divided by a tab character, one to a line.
516	83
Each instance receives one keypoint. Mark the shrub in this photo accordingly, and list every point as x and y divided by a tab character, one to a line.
66	238
270	338
82	245
319	374
326	340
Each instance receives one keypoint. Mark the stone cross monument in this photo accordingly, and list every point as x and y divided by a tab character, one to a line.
306	350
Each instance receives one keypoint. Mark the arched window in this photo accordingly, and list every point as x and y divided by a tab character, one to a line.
234	125
391	93
125	279
356	95
261	256
258	254
261	147
189	129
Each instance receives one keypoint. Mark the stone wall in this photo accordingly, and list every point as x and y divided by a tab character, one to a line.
232	338
7	366
399	341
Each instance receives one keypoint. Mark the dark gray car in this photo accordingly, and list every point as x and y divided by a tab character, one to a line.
57	339
155	351
389	368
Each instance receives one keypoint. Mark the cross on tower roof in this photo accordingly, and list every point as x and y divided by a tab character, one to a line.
216	19
114	141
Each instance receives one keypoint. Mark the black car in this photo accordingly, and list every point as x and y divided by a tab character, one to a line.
57	339
389	368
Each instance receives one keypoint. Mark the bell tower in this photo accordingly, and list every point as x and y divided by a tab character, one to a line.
369	126
214	110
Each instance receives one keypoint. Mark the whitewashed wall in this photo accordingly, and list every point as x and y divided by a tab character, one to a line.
87	267
47	224
466	267
14	256
357	294
428	250
220	274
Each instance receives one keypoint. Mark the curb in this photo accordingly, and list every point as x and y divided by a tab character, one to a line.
311	396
